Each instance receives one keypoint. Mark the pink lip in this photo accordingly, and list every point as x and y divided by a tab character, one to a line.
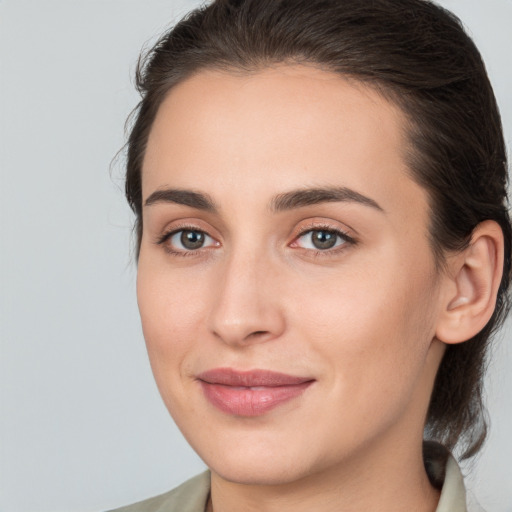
250	393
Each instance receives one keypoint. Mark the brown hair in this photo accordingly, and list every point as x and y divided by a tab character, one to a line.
416	54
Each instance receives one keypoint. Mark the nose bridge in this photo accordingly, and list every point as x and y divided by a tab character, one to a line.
247	309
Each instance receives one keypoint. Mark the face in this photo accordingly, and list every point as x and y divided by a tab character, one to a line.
286	285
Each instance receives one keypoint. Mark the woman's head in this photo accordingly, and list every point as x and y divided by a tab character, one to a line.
407	56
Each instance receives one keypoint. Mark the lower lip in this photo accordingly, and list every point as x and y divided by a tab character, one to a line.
244	401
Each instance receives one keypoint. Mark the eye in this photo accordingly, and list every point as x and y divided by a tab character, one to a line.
322	239
187	240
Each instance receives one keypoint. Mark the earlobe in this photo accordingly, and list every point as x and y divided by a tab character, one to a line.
471	285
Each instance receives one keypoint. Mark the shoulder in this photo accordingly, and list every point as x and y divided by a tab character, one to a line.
190	496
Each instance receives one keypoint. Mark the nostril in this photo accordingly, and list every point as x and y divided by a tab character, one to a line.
258	333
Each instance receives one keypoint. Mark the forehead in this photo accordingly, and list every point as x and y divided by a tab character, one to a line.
285	126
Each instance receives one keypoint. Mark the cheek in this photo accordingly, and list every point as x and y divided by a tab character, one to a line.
170	309
169	313
374	328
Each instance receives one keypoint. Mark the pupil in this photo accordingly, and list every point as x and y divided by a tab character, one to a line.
192	239
324	239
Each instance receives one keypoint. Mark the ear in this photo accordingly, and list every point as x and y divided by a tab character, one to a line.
471	285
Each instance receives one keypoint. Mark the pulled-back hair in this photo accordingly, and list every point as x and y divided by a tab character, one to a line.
419	57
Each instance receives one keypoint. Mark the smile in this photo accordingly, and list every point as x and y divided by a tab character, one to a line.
251	393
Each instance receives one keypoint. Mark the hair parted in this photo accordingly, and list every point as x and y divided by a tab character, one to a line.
419	57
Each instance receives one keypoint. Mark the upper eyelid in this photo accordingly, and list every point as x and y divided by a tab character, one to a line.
346	232
342	234
176	226
322	228
324	222
171	232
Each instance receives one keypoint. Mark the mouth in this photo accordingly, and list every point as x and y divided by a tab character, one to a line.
250	393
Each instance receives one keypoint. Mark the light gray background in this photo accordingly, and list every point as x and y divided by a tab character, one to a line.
82	425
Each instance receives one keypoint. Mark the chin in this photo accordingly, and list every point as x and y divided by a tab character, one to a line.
251	472
259	465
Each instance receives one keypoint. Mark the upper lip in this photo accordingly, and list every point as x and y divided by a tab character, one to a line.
251	378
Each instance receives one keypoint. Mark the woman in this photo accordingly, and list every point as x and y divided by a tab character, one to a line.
323	251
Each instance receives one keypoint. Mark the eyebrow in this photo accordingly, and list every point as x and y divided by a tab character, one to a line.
291	200
190	198
310	196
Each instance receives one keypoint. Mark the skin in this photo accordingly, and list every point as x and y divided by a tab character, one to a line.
360	319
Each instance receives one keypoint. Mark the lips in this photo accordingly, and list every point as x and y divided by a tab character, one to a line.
250	393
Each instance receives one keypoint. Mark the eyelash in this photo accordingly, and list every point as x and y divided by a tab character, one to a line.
347	240
185	253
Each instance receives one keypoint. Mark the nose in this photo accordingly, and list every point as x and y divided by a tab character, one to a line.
247	309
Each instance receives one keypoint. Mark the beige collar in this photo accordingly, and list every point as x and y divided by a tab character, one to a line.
453	493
